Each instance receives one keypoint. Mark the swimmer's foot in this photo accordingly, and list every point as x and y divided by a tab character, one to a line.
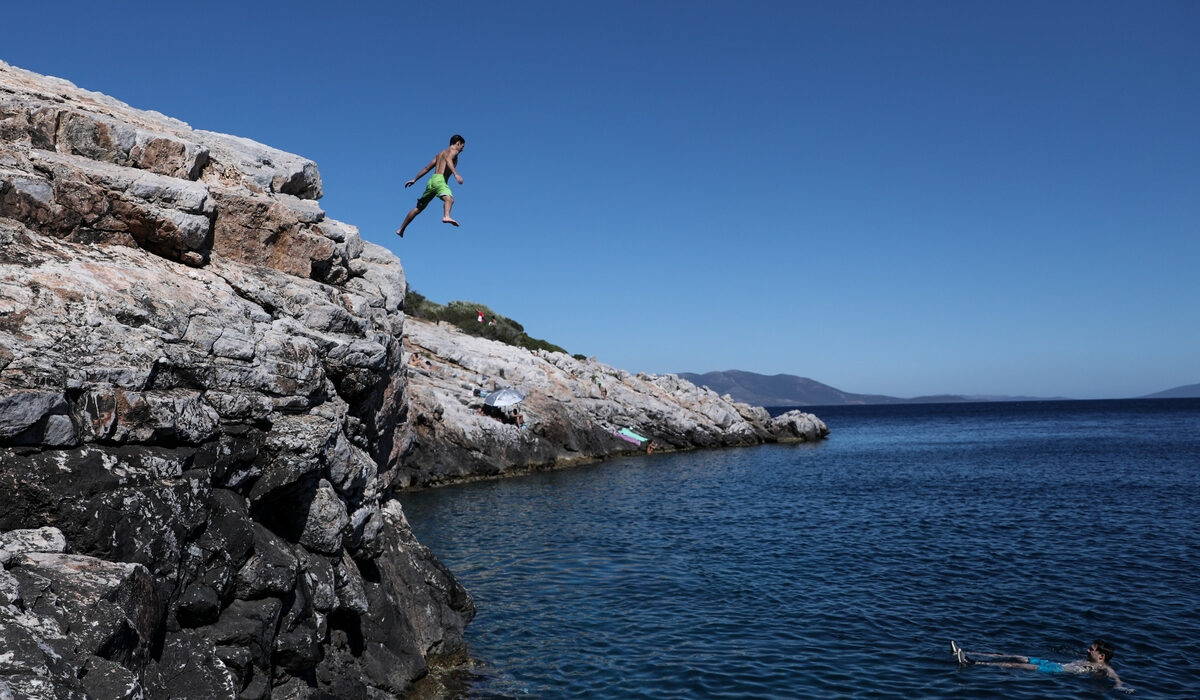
400	232
958	653
448	220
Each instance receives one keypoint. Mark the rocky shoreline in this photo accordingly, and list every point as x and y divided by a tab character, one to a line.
572	411
209	393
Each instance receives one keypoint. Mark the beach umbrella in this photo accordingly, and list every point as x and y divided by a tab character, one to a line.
504	398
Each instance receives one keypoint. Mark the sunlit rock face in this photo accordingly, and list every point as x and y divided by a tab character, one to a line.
202	413
573	410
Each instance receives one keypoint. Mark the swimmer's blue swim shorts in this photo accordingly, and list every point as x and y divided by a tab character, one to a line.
1046	666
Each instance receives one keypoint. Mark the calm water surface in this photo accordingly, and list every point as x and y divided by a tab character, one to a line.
843	569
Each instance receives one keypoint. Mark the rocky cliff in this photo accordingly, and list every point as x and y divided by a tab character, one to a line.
571	413
209	393
202	410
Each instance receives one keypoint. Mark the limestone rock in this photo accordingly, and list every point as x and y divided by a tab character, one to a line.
797	426
202	410
43	539
572	410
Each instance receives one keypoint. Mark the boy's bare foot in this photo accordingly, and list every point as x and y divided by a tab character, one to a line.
448	220
400	232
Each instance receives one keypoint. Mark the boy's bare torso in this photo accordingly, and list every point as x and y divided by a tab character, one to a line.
443	163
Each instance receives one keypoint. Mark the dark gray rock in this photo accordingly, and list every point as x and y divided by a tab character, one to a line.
72	616
249	625
271	569
190	668
108	679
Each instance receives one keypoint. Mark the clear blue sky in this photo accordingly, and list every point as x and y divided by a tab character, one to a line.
890	197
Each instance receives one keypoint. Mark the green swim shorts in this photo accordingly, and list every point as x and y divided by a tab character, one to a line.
436	187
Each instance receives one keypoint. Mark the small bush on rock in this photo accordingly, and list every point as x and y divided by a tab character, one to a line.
465	316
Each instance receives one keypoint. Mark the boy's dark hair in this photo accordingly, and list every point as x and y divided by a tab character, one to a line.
1104	648
457	139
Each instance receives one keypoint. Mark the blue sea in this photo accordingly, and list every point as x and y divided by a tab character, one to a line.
844	568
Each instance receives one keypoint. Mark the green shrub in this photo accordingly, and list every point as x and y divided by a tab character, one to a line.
465	316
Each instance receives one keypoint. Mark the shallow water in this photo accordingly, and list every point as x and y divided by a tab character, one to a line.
843	569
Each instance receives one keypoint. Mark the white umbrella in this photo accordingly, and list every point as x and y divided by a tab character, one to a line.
504	398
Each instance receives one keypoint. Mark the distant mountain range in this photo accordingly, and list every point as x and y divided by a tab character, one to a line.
1190	391
790	390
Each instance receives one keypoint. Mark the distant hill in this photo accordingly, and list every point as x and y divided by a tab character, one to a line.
790	390
779	389
1191	391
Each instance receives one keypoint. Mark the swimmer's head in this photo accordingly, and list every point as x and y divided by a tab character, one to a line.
1100	650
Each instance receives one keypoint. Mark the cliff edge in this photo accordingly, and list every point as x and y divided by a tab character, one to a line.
201	416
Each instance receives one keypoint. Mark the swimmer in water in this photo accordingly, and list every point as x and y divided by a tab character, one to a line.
1099	655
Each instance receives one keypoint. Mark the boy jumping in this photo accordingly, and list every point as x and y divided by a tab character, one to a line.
1099	654
443	165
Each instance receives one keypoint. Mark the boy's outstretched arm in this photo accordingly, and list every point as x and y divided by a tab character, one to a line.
450	164
424	170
